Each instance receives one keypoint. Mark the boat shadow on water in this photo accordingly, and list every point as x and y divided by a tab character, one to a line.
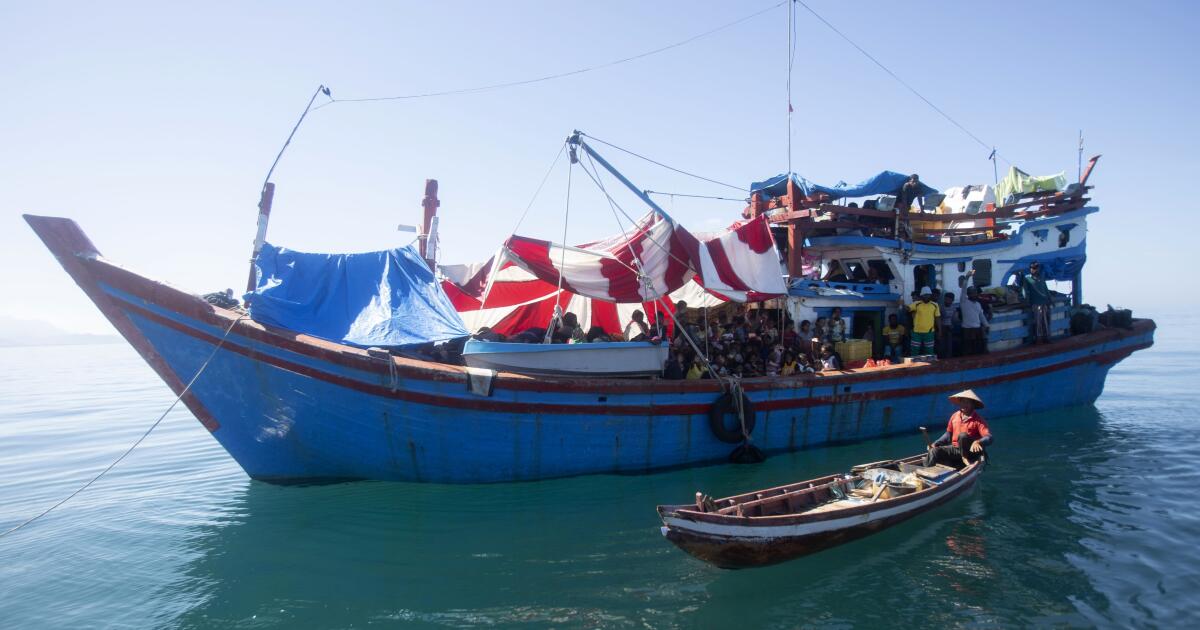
586	551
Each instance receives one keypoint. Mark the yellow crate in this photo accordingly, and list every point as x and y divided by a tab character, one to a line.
854	349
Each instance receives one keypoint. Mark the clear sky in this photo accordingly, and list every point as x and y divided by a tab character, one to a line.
152	124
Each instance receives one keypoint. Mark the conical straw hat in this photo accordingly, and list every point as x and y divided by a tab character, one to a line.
969	395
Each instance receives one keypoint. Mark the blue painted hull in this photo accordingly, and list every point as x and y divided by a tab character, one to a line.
290	408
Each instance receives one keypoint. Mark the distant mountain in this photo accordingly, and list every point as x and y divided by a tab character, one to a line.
27	332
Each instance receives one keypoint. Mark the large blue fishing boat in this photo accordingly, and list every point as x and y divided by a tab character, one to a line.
296	397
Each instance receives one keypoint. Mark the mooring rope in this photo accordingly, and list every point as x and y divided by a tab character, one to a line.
129	450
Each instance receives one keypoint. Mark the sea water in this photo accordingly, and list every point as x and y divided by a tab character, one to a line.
1086	517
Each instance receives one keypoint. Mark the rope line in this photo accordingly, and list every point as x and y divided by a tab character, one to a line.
902	81
562	262
669	168
320	89
596	179
674	195
561	75
93	480
539	188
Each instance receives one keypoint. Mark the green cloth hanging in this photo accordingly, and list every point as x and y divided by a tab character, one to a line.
1018	182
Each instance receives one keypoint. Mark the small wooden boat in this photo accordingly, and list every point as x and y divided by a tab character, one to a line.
778	524
627	358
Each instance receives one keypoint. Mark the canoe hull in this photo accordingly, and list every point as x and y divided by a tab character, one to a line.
292	408
743	547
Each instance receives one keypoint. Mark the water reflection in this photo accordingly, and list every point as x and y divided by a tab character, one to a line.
587	551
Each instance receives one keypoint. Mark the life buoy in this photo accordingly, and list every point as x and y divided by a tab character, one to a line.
724	406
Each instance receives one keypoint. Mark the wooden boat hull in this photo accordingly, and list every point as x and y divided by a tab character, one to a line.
577	359
293	408
748	544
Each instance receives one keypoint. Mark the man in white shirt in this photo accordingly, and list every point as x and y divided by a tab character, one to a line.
974	323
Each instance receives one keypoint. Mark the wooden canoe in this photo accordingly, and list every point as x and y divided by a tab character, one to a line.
778	524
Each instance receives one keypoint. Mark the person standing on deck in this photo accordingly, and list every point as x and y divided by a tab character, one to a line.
1037	294
950	320
837	326
909	192
926	318
974	323
966	434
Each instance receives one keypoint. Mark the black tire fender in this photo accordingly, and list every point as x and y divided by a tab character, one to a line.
725	406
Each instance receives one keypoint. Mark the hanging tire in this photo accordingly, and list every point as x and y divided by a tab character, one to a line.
723	408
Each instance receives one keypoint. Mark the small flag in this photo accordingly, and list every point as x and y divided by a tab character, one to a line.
790	110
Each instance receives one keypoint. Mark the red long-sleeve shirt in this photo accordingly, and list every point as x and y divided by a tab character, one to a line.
972	425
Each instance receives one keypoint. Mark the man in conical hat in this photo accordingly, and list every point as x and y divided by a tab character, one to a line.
966	434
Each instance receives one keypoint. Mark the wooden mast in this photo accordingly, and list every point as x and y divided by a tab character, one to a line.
264	216
430	203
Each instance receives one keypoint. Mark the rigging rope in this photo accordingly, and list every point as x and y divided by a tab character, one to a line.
674	195
667	250
562	260
902	81
669	168
129	450
320	89
561	75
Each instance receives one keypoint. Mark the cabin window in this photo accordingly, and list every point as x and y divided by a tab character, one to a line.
855	270
883	273
962	266
835	272
924	276
1064	235
982	269
780	236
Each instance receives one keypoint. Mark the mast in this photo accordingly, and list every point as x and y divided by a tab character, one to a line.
430	204
260	237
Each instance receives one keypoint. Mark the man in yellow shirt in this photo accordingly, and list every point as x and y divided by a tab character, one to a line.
925	316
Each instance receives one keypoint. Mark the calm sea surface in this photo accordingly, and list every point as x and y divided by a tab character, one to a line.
1088	517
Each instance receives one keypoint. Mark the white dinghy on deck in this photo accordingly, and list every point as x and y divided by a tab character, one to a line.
633	358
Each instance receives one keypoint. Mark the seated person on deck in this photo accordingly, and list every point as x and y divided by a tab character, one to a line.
966	434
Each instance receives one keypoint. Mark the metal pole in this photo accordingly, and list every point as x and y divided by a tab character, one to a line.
264	216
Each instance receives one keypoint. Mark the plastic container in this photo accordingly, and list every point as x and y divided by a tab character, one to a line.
853	350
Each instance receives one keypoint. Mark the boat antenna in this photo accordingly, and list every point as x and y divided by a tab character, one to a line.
1079	159
995	170
268	189
791	62
899	80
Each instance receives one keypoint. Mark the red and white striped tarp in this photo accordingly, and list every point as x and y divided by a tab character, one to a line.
604	282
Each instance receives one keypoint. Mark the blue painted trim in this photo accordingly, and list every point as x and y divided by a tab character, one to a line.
869	290
827	311
939	261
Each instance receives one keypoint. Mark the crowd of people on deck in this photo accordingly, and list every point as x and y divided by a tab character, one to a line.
745	342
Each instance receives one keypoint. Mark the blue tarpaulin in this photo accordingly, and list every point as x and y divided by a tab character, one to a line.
885	183
387	298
